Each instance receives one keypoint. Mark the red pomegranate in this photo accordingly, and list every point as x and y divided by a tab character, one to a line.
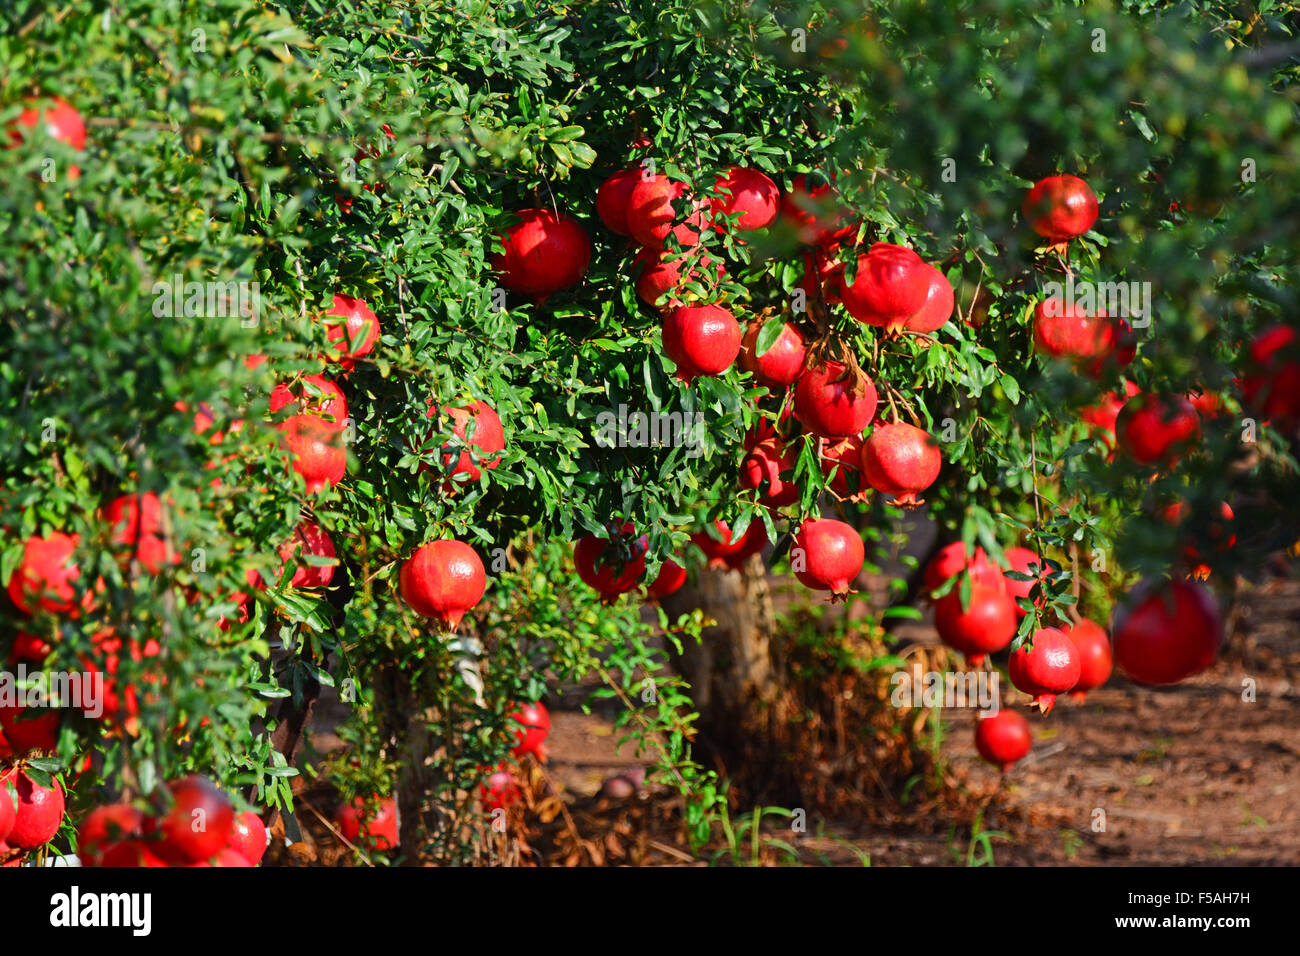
611	567
442	580
814	212
45	574
650	213
499	789
8	813
1020	560
309	540
612	197
723	552
830	402
1272	385
29	649
542	254
137	527
355	336
38	810
1003	738
248	837
489	437
985	626
901	460
371	823
749	193
314	395
701	340
132	853
844	458
1166	631
1048	668
660	272
781	364
821	271
1093	645
1066	331
826	555
1101	417
669	580
103	828
769	467
30	728
892	284
197	825
225	857
316	447
1060	208
935	312
534	725
61	121
1157	430
952	559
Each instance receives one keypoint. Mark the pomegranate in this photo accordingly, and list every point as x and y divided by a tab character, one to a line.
499	790
701	340
1207	404
62	123
844	458
1068	332
937	308
534	725
373	828
901	460
225	857
132	853
830	402
1166	631
542	254
1020	560
1272	385
488	438
821	272
612	197
30	728
723	552
1101	417
316	448
660	272
1093	645
315	395
814	213
1050	667
762	468
137	526
29	649
611	567
442	580
781	364
8	812
309	540
669	580
355	336
38	810
892	284
650	213
1060	208
749	193
1156	429
952	560
103	828
248	837
198	823
985	626
827	555
1003	738
45	574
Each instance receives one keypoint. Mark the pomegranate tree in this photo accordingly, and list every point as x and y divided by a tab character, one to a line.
1157	430
611	565
781	363
983	626
748	194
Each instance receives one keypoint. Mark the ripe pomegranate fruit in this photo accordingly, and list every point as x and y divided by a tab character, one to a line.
749	193
612	197
489	437
1221	534
821	271
1049	668
1272	385
248	837
442	580
197	825
827	555
534	725
38	810
45	574
830	402
226	857
316	448
844	458
891	285
936	310
952	560
309	540
669	580
763	467
814	213
701	340
355	336
314	395
1166	631
372	823
611	567
137	527
1093	645
1060	208
901	460
1157	430
499	790
1066	331
781	364
1101	417
132	853
723	552
30	728
61	121
985	626
8	812
1021	560
103	828
542	254
660	272
1003	738
650	213
29	649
